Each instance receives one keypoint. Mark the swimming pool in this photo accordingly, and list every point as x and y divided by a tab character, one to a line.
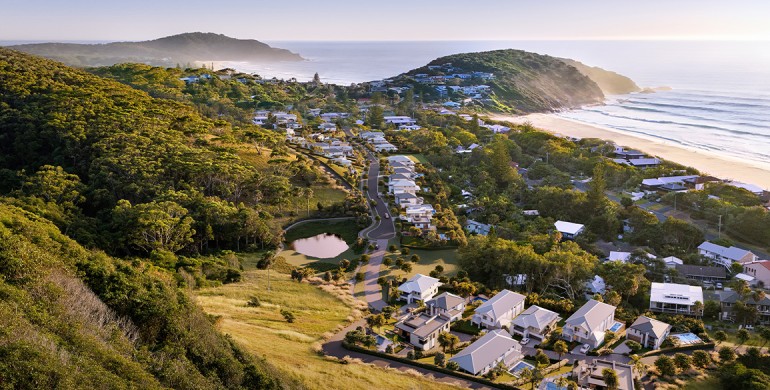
520	366
687	338
616	326
553	386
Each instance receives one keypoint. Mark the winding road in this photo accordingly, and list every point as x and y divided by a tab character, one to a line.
381	232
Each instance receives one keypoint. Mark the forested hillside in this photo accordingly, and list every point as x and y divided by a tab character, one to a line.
73	318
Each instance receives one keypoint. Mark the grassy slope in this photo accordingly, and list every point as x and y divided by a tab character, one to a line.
263	331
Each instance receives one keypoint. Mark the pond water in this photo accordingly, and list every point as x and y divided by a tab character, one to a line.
322	246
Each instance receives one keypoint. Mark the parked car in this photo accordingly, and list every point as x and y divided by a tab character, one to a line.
387	216
525	341
585	348
719	286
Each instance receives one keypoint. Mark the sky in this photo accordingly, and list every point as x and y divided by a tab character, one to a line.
388	20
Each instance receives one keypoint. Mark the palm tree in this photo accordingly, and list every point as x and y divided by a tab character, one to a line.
610	378
697	307
560	347
757	296
268	259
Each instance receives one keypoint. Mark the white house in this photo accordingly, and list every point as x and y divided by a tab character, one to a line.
588	374
479	228
487	352
725	256
648	332
400	120
759	270
569	230
675	298
399	186
326	126
405	199
448	304
385	147
409	127
672	261
420	215
499	311
589	324
535	323
418	288
596	286
422	330
406	161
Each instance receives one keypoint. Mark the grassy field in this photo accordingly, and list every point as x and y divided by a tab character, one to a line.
710	383
428	261
290	346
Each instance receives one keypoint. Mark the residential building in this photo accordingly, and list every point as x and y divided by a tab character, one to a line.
672	262
588	375
569	230
406	199
701	273
400	120
385	147
327	126
403	170
420	215
535	323
675	298
422	330
479	228
406	161
596	286
418	288
656	183
499	311
629	154
725	256
648	332
400	186
760	270
487	352
589	324
447	304
367	135
728	298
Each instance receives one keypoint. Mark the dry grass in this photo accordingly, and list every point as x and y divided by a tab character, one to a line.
320	310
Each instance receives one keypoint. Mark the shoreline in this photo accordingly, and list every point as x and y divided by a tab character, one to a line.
717	165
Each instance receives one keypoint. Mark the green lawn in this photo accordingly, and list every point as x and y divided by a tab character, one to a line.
428	261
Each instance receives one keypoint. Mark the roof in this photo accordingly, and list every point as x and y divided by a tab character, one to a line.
666	180
402	183
568	227
418	283
597	285
405	195
591	314
650	325
673	260
535	317
624	371
619	256
762	263
400	159
732	253
644	161
423	325
674	293
486	350
445	301
731	296
502	302
699	270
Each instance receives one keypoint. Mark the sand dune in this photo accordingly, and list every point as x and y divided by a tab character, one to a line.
722	166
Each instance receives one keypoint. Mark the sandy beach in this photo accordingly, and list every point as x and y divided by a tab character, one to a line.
721	166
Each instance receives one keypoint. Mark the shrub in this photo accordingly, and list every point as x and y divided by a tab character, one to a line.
289	316
253	302
633	346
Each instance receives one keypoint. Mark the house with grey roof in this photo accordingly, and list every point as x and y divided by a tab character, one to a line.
589	324
499	311
701	272
418	288
725	256
422	329
487	352
648	332
728	299
588	374
535	323
447	304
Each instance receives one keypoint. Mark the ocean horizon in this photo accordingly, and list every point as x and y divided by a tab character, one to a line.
718	101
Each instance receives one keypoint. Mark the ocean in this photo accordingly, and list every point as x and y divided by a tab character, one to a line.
718	102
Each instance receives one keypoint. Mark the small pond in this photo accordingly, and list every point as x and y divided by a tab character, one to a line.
322	246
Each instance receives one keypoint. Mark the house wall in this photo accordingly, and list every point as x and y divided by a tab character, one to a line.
758	271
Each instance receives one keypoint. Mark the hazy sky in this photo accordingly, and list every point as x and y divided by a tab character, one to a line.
386	19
